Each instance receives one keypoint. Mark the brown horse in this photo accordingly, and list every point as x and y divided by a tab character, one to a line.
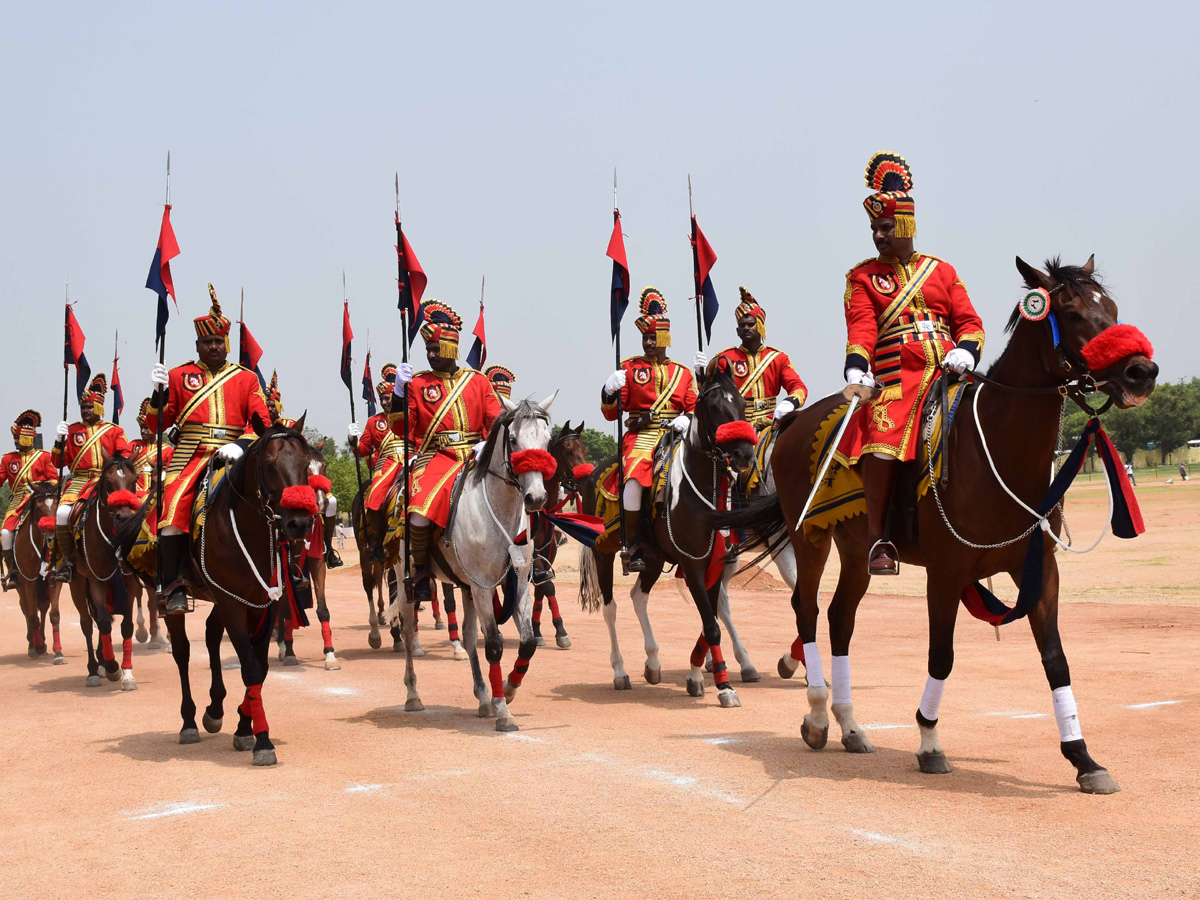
698	466
969	529
375	576
38	595
235	564
105	526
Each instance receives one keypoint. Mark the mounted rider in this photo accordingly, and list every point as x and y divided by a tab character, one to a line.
656	393
451	411
908	316
20	469
502	379
213	402
275	402
144	449
384	451
83	448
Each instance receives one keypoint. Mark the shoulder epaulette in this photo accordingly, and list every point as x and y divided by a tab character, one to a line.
726	350
630	359
859	265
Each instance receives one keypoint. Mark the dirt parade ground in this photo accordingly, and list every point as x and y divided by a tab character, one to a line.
645	793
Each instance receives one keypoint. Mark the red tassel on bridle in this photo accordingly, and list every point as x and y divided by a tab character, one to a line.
129	499
320	483
1115	344
301	497
534	460
46	523
583	470
740	430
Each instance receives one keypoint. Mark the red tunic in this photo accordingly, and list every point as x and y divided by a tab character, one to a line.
222	415
760	377
143	454
385	451
443	433
662	391
83	453
903	344
19	470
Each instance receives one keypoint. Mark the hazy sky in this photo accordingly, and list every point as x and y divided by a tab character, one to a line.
1032	129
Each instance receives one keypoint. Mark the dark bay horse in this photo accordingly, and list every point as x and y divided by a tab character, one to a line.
106	525
234	564
376	578
699	465
38	595
1019	408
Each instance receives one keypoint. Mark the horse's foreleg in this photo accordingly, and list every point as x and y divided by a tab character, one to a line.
128	682
142	634
368	583
1043	620
97	593
527	643
35	635
255	662
452	621
604	571
215	714
942	599
181	651
55	621
493	648
749	671
78	597
318	580
394	586
706	601
852	584
408	621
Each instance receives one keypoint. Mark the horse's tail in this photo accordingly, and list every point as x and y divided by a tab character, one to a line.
762	514
590	596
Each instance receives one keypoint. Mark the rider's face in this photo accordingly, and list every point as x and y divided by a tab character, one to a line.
88	413
436	362
883	233
747	330
212	351
650	343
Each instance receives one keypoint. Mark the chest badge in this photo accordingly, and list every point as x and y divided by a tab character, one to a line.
192	381
381	425
885	284
740	368
14	467
432	392
77	438
641	376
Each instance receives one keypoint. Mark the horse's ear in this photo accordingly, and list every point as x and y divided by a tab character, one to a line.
1090	266
579	429
256	423
548	402
299	426
508	404
566	427
1034	278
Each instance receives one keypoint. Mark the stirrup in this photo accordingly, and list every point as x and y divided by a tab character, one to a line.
883	565
64	573
332	560
10	581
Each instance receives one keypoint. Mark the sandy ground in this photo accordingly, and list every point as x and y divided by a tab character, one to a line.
647	793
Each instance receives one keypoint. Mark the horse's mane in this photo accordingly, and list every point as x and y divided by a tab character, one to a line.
526	409
40	490
1071	276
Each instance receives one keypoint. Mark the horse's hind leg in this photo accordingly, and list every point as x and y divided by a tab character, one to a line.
318	571
55	620
604	568
470	633
85	625
215	713
1043	620
640	595
749	671
810	564
254	660
408	621
853	581
452	621
128	682
394	587
135	597
942	599
181	651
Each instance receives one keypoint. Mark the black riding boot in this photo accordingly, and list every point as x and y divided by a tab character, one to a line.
633	539
878	476
174	546
332	560
418	546
10	566
377	529
65	541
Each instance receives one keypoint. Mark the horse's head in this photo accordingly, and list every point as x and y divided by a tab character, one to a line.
117	490
570	453
43	497
524	428
318	478
1090	339
277	467
721	418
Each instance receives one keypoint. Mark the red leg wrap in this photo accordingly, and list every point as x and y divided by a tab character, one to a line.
253	706
437	608
700	651
452	624
537	611
720	673
518	672
106	650
497	680
798	649
57	640
327	636
127	653
38	639
288	631
554	613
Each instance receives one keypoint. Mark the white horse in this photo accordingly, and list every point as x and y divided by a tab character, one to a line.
478	549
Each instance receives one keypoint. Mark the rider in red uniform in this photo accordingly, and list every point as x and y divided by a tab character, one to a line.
384	451
502	379
20	469
144	449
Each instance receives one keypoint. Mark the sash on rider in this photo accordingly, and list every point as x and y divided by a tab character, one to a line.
104	428
666	394
760	369
451	397
896	307
189	443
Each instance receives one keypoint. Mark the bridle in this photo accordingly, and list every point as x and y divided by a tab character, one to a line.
567	482
33	525
99	499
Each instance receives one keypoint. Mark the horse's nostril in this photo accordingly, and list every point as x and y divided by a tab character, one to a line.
1140	373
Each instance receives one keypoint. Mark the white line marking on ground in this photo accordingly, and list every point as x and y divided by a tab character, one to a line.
689	784
285	676
516	736
889	727
341	691
364	788
232	665
162	810
721	741
1005	712
1155	703
1031	716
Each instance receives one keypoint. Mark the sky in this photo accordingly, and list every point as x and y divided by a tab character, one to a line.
1032	130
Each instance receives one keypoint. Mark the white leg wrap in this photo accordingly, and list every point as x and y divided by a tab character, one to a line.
330	506
931	700
1066	713
632	495
841	679
6	539
812	666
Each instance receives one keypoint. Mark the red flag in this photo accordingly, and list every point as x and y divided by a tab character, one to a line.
168	248
347	337
477	357
249	351
75	340
705	254
619	292
410	267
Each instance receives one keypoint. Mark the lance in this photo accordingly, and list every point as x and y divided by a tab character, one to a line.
620	413
404	288
62	450
158	436
696	273
353	450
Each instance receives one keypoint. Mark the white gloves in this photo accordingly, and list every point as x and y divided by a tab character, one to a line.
230	452
615	382
681	422
858	376
353	430
159	376
700	361
62	430
785	406
404	373
958	361
478	449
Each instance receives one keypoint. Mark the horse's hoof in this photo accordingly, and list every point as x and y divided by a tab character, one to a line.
265	757
291	661
156	644
114	675
814	738
541	641
935	763
785	671
459	651
510	691
1098	782
414	704
92	681
622	684
729	699
563	642
141	634
211	725
331	663
439	625
750	675
418	651
397	646
856	742
243	742
129	683
653	676
695	688
41	651
60	660
33	653
189	736
485	710
374	641
507	724
282	652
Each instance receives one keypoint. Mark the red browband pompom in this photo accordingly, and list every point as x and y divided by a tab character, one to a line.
534	460
117	499
583	470
1114	344
301	497
46	523
736	431
320	483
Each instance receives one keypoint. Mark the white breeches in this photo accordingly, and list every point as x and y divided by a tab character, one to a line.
632	495
418	520
63	516
330	506
168	530
6	539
